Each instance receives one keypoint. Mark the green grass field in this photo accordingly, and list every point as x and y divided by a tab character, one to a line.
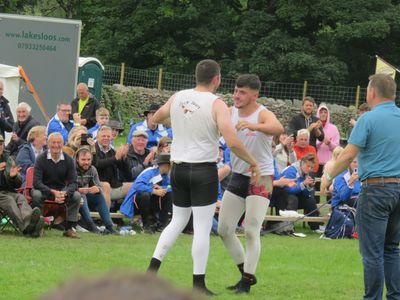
289	268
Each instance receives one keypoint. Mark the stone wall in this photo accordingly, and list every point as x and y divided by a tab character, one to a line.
130	102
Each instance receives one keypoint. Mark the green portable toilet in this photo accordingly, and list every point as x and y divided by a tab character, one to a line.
91	72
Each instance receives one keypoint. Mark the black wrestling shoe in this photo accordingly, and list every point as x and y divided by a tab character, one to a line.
245	283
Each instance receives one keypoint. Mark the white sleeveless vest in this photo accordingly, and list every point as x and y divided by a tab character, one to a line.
257	143
195	131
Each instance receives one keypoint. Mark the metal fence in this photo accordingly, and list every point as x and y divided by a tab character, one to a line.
160	80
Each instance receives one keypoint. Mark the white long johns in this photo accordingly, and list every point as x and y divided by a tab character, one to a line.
202	222
180	218
256	209
232	209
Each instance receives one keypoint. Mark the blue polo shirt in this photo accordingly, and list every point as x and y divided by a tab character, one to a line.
377	135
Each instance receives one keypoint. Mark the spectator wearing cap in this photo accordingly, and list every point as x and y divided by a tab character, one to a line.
27	220
110	164
116	128
84	106
21	128
154	131
6	117
139	157
151	194
102	118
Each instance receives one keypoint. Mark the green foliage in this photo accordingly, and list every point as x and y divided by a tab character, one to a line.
325	42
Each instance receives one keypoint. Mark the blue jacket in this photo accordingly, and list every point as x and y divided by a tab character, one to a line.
294	172
25	158
341	189
154	136
93	131
55	125
143	183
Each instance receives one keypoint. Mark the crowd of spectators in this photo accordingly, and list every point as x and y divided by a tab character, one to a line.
77	164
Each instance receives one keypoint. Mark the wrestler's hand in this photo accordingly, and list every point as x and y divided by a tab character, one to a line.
242	124
255	174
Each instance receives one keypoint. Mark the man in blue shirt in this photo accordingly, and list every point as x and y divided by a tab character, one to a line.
374	140
154	131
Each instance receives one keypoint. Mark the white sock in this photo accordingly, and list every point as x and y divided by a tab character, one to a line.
231	210
256	209
180	218
202	222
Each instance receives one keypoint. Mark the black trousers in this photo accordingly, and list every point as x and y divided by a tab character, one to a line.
307	203
151	205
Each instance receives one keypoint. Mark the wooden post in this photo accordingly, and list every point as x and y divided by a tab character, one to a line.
357	96
304	89
121	78
159	80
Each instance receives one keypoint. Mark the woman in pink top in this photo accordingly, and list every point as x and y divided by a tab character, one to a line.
331	141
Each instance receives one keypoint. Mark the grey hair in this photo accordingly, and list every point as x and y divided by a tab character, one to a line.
54	134
303	131
24	105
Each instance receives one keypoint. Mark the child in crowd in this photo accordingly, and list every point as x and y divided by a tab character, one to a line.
102	117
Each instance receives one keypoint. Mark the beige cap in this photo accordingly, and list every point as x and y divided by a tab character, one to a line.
140	133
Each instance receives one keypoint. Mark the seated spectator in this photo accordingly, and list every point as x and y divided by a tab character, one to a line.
27	220
116	128
331	139
21	128
109	164
139	157
154	131
102	118
283	153
279	194
302	147
150	193
302	194
35	145
84	107
78	137
90	188
55	179
61	121
346	187
279	198
306	120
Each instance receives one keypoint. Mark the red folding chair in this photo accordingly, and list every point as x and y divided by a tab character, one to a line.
50	207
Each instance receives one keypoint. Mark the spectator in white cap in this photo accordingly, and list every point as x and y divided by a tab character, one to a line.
139	157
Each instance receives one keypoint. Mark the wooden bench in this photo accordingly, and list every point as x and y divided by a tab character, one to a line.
96	215
321	219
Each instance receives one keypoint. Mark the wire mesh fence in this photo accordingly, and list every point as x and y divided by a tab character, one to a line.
151	78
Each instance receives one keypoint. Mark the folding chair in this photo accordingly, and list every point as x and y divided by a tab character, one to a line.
50	207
